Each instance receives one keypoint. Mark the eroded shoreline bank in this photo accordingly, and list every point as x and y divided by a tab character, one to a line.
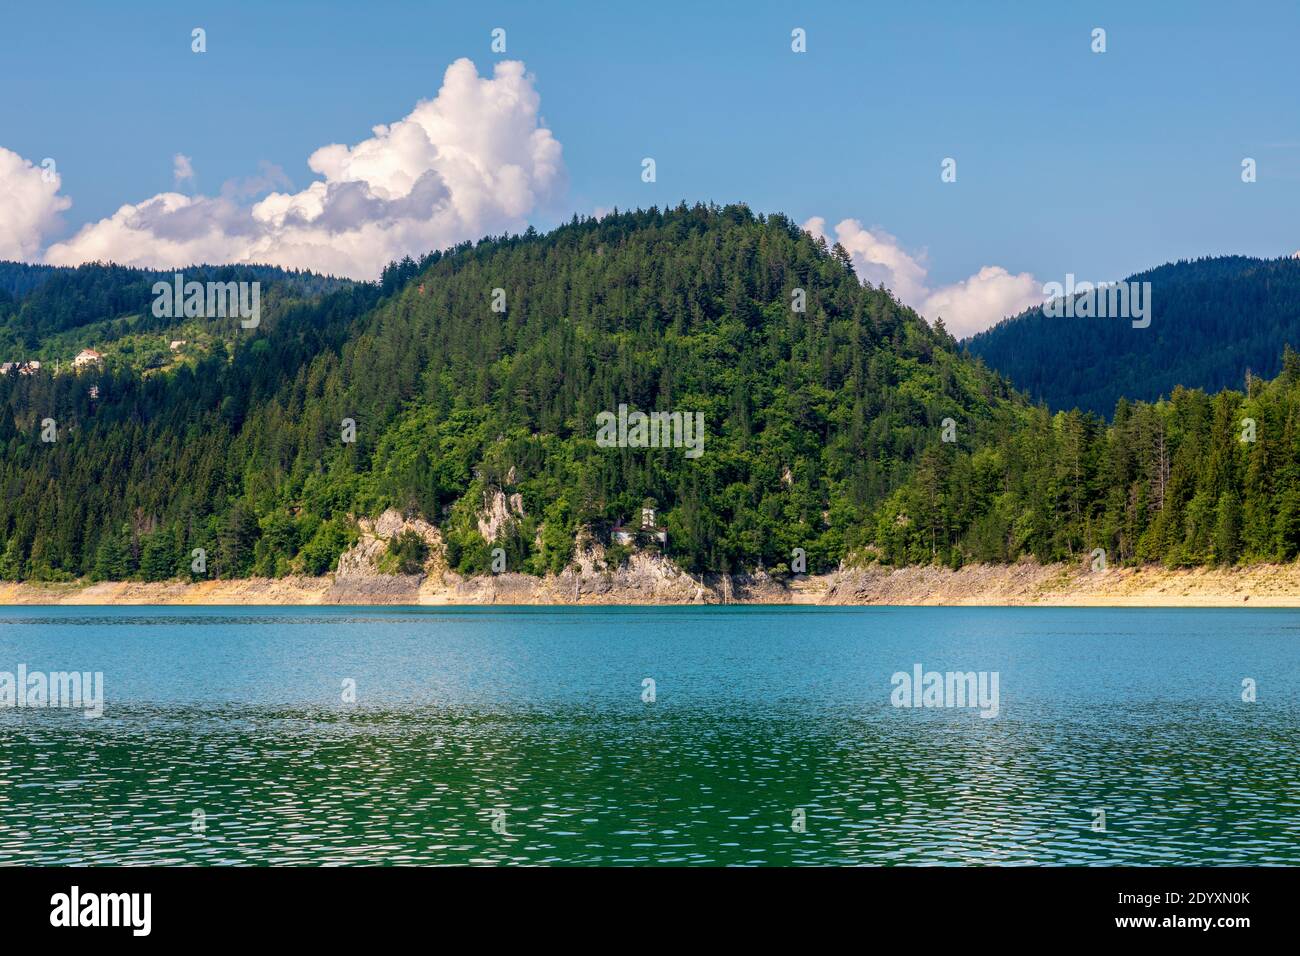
647	581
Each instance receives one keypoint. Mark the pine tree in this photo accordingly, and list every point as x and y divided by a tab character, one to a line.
1227	529
113	558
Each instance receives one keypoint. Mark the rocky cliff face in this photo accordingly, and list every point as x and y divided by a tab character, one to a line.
497	511
359	580
645	578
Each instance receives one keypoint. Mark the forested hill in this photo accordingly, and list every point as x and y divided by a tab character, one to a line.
38	303
811	417
467	387
1195	479
1213	320
19	278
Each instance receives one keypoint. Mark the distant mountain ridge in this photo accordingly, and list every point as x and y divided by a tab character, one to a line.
19	278
38	301
1212	321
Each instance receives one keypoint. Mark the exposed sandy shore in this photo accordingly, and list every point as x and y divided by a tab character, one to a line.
649	581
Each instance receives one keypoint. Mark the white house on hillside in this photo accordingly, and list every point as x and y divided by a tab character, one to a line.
87	357
625	536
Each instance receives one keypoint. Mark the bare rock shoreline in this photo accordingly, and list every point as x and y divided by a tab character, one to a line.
650	580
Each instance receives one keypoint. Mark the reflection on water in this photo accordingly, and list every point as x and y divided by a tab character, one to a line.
759	714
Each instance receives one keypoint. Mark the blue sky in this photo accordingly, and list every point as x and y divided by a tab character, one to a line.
1067	160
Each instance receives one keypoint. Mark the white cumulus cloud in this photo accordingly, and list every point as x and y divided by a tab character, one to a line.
182	168
878	257
473	160
966	307
982	300
29	205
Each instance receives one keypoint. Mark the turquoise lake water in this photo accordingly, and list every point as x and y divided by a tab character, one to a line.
524	735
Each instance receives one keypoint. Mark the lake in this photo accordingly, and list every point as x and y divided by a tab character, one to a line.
677	736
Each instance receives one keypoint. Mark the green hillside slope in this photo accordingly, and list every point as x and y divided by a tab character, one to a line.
812	417
468	388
